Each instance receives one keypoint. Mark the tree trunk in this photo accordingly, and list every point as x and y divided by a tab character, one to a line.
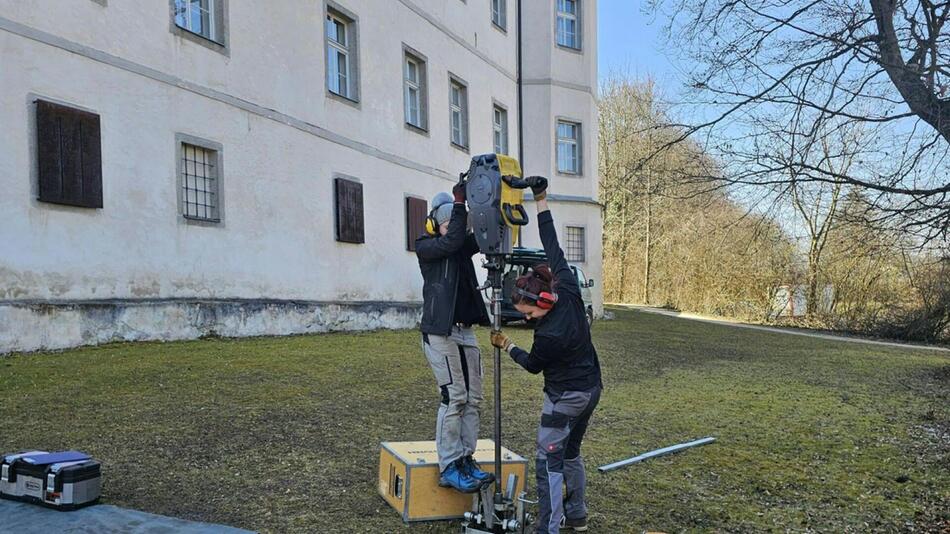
648	245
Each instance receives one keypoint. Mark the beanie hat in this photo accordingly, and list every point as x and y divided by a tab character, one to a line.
444	213
442	203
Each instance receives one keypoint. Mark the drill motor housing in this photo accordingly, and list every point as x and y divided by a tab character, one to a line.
496	207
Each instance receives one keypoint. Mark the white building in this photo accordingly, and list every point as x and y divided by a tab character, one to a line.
178	168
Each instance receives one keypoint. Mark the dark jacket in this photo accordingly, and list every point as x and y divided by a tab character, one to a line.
446	265
562	347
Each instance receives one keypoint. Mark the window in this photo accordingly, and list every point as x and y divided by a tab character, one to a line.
567	17
458	113
500	127
568	149
575	244
199	173
69	156
201	17
417	210
349	210
499	13
341	55
415	92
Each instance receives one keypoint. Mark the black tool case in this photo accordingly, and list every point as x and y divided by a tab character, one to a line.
63	485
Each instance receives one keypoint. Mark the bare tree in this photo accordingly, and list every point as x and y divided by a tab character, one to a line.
763	69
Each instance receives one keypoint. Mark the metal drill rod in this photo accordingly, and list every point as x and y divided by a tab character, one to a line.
496	324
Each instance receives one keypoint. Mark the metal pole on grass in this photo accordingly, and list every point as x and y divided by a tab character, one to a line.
654	454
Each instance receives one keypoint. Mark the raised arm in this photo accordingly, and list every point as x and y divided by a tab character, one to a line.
552	249
436	248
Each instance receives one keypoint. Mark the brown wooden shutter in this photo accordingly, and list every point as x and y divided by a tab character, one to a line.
349	211
69	156
416	211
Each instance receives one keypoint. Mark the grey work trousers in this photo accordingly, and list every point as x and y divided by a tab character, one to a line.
559	468
457	365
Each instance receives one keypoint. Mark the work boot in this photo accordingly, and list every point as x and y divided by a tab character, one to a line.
455	476
472	469
578	525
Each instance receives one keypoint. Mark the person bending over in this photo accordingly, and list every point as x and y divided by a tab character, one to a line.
452	304
563	351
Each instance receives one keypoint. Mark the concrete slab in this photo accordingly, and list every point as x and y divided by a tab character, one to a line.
23	518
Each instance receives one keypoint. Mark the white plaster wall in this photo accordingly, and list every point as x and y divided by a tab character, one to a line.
278	61
277	237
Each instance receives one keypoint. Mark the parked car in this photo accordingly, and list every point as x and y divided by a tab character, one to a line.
520	261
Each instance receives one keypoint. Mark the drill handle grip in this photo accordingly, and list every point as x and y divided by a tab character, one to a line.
522	217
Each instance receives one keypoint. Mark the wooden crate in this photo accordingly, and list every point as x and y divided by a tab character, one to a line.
409	479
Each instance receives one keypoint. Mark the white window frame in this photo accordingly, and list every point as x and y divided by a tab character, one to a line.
499	14
420	86
499	129
459	110
568	141
568	250
348	48
567	16
216	36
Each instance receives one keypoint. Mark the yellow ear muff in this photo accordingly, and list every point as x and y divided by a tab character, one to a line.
432	226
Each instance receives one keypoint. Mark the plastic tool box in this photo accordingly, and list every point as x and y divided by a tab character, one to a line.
62	480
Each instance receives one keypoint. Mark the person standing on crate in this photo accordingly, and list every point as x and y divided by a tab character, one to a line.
563	351
452	304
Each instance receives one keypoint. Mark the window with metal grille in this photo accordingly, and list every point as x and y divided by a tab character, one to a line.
568	147
417	210
499	13
500	128
576	244
200	184
341	54
414	89
349	210
458	113
201	17
567	24
69	156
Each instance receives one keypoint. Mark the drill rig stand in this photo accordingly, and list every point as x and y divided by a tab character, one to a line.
494	190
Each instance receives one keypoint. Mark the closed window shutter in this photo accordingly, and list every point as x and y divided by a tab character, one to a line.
349	211
416	211
69	156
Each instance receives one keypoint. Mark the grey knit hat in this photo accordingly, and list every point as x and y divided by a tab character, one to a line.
442	203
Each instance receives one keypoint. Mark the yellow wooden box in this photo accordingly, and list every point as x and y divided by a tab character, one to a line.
409	479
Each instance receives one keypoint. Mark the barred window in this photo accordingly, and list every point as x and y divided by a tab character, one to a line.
200	184
575	244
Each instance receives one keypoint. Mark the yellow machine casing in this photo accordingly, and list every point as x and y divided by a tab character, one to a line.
509	166
409	479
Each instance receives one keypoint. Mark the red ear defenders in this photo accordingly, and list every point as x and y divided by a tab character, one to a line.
545	300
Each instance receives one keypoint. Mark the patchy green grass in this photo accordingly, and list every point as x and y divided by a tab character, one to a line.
282	434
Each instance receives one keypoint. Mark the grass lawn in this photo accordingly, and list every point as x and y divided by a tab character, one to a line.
282	434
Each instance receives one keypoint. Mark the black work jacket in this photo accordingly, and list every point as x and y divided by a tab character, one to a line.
444	260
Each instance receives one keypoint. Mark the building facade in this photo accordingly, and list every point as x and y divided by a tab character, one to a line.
180	168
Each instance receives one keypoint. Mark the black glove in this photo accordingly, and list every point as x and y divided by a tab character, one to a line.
539	186
459	192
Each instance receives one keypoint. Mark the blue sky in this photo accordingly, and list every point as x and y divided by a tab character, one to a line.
631	42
